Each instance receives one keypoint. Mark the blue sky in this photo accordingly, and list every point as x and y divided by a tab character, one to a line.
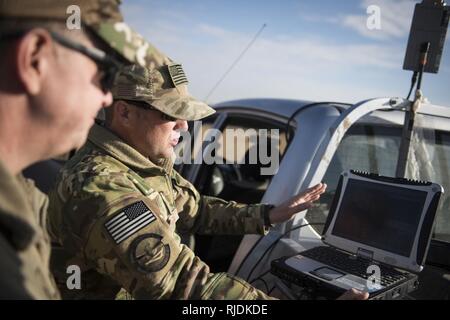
312	50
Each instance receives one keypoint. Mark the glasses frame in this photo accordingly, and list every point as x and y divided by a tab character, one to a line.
146	106
108	66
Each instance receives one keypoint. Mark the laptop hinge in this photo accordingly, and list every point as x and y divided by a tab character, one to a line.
364	254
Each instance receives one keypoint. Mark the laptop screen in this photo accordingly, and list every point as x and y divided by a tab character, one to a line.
382	216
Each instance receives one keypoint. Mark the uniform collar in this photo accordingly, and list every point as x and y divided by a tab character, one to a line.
106	140
17	221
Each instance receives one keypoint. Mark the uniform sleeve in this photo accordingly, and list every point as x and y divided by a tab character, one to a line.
210	215
38	254
37	199
122	235
147	259
10	265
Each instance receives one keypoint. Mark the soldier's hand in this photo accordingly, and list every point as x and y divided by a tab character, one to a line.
300	202
354	294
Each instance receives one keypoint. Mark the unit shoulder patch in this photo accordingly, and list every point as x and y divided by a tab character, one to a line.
149	253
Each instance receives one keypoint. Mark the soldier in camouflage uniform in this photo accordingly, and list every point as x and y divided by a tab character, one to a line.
47	72
119	205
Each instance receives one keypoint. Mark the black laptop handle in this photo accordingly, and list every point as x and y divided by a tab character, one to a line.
404	181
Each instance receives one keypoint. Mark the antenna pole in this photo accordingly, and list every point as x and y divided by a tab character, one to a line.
235	62
410	115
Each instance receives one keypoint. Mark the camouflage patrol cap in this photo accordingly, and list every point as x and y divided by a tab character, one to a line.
163	85
103	17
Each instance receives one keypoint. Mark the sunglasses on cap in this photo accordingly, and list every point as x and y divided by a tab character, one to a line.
146	106
108	67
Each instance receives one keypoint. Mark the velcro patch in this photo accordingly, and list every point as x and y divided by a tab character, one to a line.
177	74
149	253
129	221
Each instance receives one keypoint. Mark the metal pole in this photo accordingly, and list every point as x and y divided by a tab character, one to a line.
410	115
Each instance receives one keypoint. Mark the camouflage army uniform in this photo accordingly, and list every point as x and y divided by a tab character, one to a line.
24	241
24	245
107	186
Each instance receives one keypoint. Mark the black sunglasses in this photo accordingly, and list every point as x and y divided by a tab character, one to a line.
146	106
108	66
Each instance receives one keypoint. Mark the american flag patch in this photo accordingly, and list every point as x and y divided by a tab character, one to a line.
130	220
177	74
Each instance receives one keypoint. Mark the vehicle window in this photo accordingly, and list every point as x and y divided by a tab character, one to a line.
236	178
374	148
247	146
430	160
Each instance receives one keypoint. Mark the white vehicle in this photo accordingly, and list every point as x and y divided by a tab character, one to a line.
323	140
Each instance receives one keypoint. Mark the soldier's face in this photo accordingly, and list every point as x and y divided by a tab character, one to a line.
71	97
154	136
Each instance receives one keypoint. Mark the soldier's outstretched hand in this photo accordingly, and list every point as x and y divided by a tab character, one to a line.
300	202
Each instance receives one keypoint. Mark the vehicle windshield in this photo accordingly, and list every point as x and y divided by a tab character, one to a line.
374	148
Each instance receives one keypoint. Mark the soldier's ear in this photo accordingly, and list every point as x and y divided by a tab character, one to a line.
122	112
33	53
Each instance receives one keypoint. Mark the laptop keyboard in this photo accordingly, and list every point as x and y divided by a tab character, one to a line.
352	264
